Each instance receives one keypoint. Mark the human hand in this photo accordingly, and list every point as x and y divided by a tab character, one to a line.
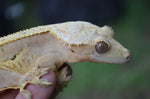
37	92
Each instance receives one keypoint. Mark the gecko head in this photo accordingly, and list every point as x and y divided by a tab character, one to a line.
108	50
101	48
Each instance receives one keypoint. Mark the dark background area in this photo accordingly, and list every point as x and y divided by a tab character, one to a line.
130	20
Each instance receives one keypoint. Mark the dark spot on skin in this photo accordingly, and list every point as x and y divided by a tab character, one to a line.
102	47
13	58
72	51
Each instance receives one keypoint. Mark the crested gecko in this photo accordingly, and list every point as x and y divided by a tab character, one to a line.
27	55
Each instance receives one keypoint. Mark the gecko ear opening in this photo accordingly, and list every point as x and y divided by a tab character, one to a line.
102	47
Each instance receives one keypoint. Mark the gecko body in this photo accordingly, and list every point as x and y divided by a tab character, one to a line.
27	55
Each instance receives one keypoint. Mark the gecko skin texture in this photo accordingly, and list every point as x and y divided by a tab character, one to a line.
27	55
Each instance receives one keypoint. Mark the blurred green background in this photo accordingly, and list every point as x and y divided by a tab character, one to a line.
106	81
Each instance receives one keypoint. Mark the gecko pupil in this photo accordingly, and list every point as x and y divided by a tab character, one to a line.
102	47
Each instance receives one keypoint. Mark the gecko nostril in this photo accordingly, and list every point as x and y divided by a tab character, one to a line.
128	58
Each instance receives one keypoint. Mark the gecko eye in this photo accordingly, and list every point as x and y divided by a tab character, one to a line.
102	47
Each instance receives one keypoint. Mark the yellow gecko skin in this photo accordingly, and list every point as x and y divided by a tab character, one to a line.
27	55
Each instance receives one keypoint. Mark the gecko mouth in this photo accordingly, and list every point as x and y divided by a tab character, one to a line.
112	60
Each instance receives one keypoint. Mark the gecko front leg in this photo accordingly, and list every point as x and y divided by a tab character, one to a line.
43	65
